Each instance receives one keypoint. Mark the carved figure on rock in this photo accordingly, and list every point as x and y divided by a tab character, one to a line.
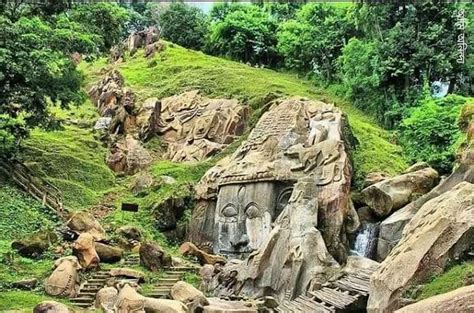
84	249
189	249
64	281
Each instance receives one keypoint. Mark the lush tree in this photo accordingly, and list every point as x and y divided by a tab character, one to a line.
182	24
246	33
313	41
32	74
108	20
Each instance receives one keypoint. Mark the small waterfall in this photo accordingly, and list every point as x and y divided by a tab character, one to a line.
366	240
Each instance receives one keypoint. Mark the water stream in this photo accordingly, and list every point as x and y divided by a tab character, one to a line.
366	240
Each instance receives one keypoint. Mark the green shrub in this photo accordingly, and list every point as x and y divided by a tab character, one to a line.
430	132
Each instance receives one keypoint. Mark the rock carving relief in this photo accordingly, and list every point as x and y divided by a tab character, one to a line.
241	197
194	127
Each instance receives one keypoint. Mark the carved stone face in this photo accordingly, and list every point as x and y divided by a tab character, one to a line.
244	215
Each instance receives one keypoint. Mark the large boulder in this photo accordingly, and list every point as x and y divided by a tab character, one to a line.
153	257
184	292
127	155
129	300
34	245
84	249
64	281
84	222
391	194
440	232
51	307
167	213
152	305
189	249
105	299
108	254
460	300
128	237
142	184
391	228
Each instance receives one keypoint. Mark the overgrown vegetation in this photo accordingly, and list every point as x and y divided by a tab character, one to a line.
450	280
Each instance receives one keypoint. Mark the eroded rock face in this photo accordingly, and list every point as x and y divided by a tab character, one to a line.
460	300
127	155
295	139
441	231
196	127
105	299
391	194
129	300
64	281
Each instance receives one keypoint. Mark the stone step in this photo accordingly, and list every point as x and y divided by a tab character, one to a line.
97	280
84	294
82	305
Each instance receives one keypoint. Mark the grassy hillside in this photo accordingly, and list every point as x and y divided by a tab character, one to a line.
177	69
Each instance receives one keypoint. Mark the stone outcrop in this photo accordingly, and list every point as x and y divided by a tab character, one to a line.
441	231
128	237
35	244
294	236
64	281
51	307
143	38
108	254
189	249
391	194
129	300
192	126
153	257
391	228
84	249
457	301
196	127
84	222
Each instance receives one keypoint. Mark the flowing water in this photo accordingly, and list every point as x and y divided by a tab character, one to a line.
366	240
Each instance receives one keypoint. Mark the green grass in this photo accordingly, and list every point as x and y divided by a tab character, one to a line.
448	281
177	70
74	161
24	301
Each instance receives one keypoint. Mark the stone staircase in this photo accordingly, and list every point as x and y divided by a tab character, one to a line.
170	277
131	260
86	296
333	297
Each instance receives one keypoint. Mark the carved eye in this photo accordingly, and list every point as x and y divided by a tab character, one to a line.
230	211
252	211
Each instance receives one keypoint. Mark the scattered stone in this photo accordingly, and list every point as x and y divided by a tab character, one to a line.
460	300
34	245
167	180
153	257
105	299
130	233
25	284
84	249
64	281
189	249
391	194
108	254
441	231
127	272
51	307
127	155
103	123
84	222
